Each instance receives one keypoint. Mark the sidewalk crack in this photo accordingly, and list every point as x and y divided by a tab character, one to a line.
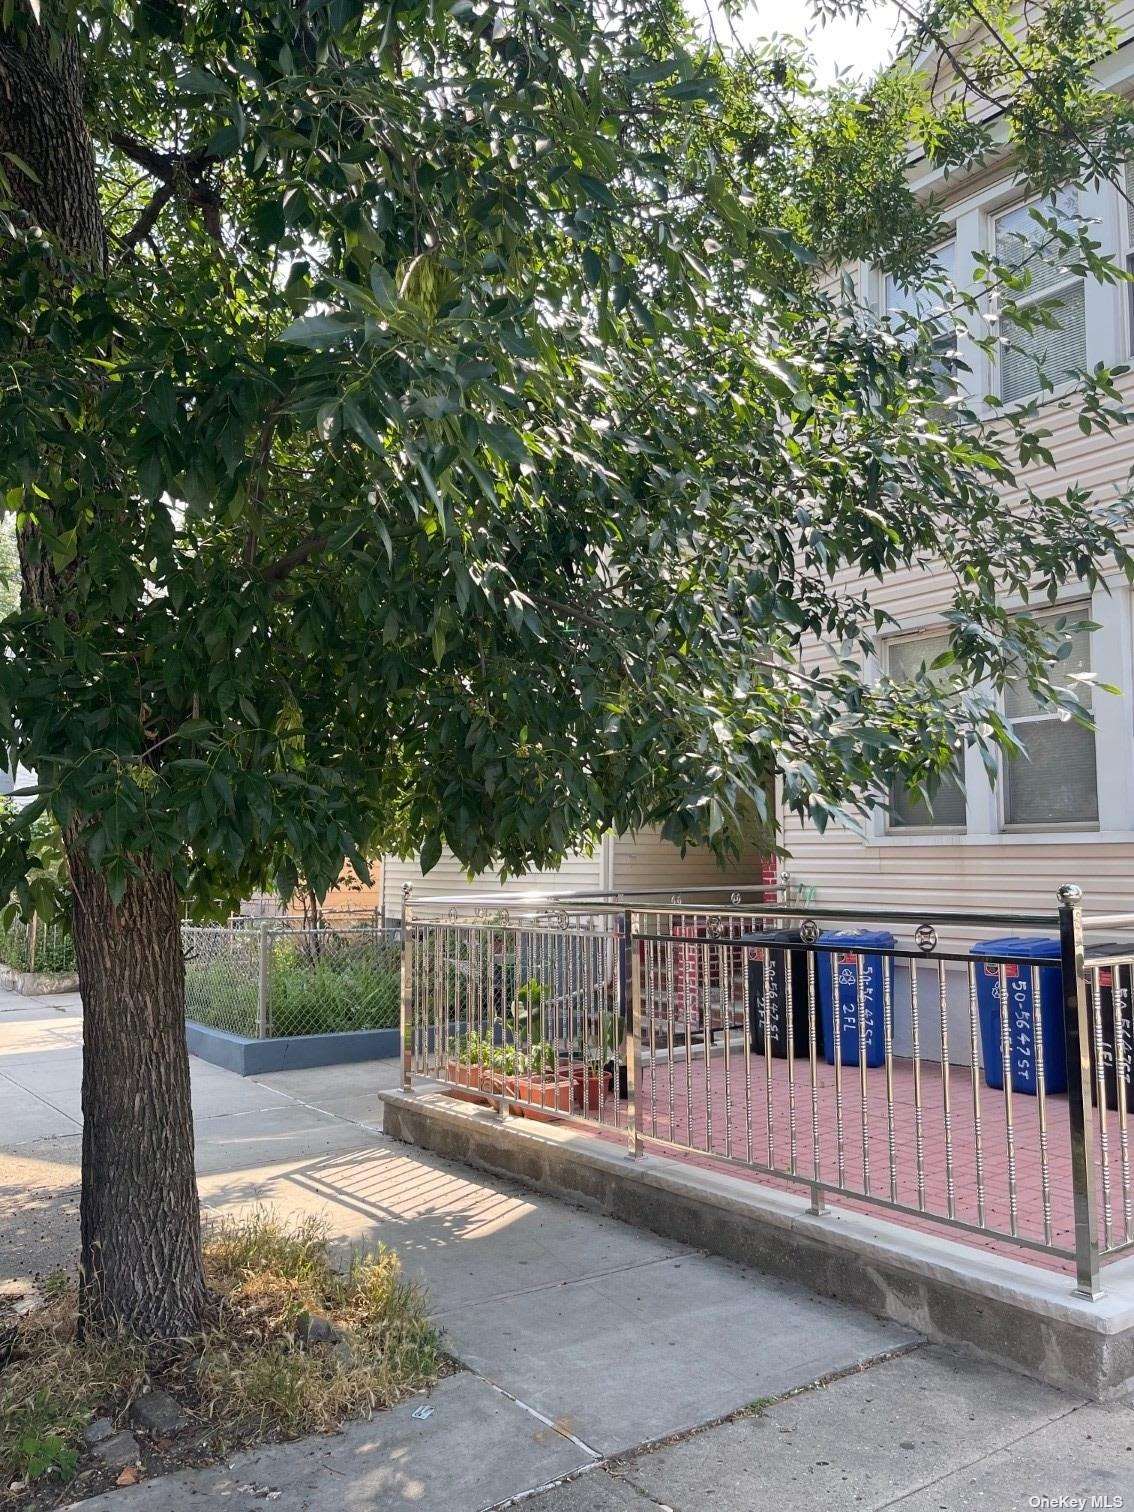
980	1458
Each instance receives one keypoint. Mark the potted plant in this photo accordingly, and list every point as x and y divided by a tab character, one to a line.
469	1061
537	1080
584	1072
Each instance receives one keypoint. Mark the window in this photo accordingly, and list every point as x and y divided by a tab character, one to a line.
921	304
1057	785
1051	353
1129	202
905	659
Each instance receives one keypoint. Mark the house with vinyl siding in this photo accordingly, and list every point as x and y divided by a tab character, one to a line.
621	863
1067	814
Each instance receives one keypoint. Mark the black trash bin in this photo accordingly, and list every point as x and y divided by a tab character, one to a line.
770	997
1116	1013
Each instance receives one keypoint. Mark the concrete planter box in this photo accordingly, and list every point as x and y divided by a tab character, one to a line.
38	983
300	1052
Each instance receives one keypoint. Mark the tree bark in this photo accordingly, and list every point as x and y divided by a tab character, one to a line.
140	1219
43	123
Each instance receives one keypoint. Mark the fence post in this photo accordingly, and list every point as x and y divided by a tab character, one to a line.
31	941
633	1033
262	982
407	993
1077	1033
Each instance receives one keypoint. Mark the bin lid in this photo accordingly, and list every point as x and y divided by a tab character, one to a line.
773	937
1111	948
1044	947
877	937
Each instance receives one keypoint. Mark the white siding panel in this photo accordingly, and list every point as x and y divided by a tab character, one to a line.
1007	874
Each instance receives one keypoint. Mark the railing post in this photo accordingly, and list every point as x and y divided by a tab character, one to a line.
262	982
407	993
633	1015
1076	1029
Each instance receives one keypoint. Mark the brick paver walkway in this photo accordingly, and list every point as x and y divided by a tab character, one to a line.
751	1113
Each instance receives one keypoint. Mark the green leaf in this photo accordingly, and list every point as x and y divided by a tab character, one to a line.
430	852
361	426
320	331
692	89
197	81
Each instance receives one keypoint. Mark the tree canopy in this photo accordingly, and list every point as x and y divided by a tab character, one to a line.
450	429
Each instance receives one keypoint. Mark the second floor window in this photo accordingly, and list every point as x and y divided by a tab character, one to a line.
925	304
1051	351
905	659
1128	206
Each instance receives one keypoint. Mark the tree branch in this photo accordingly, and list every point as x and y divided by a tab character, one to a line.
282	566
148	218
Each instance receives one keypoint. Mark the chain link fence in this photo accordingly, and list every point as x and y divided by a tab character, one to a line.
38	947
274	980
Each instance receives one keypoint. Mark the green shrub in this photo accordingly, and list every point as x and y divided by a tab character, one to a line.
54	947
310	991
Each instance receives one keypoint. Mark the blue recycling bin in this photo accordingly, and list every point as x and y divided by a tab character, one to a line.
1021	1025
839	984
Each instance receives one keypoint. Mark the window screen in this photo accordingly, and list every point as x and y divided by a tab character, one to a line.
1056	782
1051	353
905	660
1130	248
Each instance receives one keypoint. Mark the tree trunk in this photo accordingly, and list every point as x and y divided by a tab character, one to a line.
140	1221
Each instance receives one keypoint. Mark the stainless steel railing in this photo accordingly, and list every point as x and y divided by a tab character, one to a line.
985	1093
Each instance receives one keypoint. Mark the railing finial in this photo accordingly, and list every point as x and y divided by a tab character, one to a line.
1070	894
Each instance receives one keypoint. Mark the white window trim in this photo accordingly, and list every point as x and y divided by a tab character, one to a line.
992	215
1112	662
884	824
1081	606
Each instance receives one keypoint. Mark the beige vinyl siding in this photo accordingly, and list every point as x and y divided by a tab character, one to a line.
578	873
645	860
1010	873
947	84
636	863
1010	870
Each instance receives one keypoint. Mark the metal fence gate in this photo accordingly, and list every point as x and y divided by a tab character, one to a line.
967	1071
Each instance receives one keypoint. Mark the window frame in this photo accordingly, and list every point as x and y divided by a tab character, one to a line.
1126	244
889	829
1077	606
995	214
950	354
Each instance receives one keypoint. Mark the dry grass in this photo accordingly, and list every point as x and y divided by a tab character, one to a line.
249	1376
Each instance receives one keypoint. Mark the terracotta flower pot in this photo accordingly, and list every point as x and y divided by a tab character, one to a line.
541	1092
587	1085
462	1074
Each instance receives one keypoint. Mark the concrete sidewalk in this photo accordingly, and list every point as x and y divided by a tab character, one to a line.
584	1339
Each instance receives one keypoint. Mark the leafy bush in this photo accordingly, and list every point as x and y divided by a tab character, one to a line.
541	1059
44	899
54	947
314	987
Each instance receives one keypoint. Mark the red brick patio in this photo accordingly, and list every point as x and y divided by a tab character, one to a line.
741	1112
